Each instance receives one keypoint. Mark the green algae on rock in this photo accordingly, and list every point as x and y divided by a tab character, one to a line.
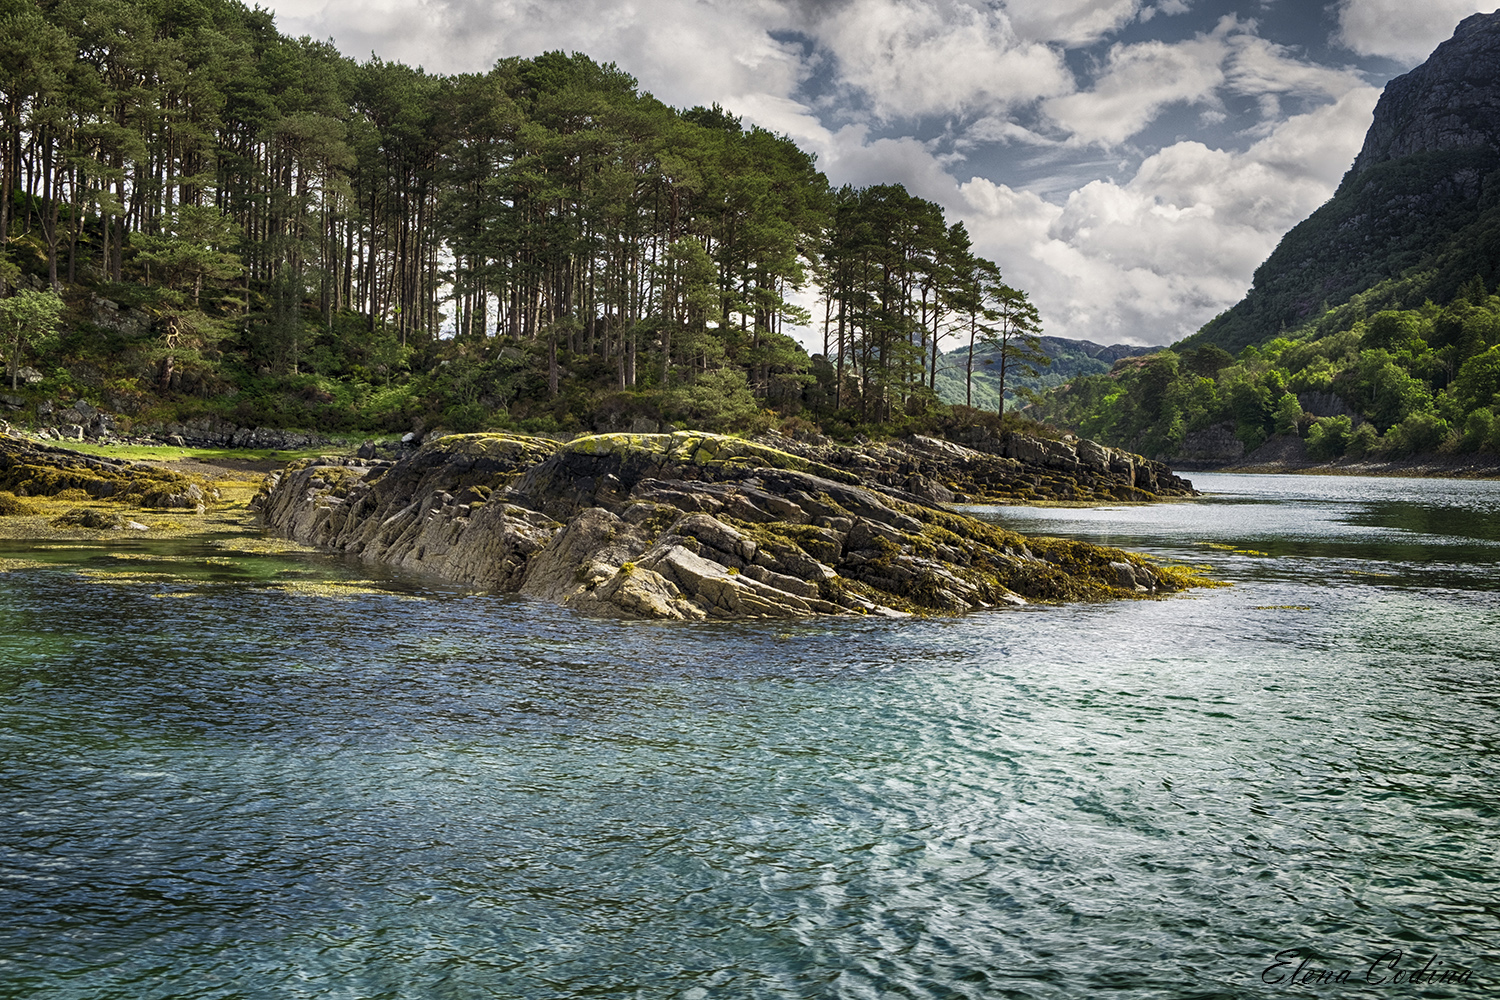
687	526
35	470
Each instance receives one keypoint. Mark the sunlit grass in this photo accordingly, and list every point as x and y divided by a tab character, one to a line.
168	453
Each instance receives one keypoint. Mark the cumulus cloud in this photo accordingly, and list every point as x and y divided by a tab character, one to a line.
716	50
915	57
1400	29
1070	22
1138	81
1150	260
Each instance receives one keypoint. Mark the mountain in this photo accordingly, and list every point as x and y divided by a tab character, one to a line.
1372	333
1070	359
1415	217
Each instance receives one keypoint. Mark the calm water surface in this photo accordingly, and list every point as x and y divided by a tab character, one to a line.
215	786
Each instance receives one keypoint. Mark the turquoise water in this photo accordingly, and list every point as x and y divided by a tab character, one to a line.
211	787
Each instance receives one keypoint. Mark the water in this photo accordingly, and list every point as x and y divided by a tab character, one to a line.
214	788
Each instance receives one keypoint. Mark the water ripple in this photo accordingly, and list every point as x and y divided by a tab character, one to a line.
259	794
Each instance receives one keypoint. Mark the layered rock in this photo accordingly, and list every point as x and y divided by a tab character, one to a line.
989	467
687	526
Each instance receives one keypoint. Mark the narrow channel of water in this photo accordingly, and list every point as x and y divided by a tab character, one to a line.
215	784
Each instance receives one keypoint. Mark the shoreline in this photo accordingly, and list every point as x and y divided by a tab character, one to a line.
1428	467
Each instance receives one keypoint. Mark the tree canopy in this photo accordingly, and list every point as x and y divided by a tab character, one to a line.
293	210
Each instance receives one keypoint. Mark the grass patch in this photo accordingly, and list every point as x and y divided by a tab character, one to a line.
167	453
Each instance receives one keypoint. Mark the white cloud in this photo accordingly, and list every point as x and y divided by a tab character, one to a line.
915	57
1071	22
1151	260
851	158
1140	80
1257	66
995	129
1401	29
716	50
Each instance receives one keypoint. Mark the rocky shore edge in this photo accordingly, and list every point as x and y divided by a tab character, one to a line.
695	526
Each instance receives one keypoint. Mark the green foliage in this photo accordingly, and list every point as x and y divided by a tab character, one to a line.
1394	331
1328	437
1481	429
1418	433
718	400
331	243
1383	390
1478	381
28	319
1394	369
1364	442
1288	415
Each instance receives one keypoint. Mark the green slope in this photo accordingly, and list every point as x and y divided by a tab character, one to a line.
1070	359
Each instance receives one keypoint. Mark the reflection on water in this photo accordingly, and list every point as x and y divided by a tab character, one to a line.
217	788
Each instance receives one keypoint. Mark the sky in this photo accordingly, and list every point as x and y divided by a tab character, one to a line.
1128	163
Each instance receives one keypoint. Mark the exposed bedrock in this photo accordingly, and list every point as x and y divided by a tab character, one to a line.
687	526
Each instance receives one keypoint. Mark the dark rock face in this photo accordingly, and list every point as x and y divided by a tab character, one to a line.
693	526
1210	447
1452	101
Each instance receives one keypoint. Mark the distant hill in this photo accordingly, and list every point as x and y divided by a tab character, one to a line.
1070	359
1415	217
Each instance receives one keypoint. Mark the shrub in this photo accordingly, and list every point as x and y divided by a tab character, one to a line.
1418	433
1365	440
1328	437
1480	430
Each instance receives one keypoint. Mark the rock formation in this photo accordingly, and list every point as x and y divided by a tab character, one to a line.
693	526
1451	101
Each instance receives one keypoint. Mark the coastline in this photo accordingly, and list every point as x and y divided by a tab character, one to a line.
685	526
1416	467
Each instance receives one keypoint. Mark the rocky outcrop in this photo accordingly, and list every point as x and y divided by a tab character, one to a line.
1002	468
1210	447
688	526
1451	101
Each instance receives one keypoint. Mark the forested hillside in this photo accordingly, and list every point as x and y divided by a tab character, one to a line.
1416	216
1066	360
236	222
1394	384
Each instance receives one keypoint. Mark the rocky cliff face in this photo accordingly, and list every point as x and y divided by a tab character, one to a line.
694	526
1452	101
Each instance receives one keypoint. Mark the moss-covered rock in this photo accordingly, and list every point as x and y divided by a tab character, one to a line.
685	525
32	470
13	506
